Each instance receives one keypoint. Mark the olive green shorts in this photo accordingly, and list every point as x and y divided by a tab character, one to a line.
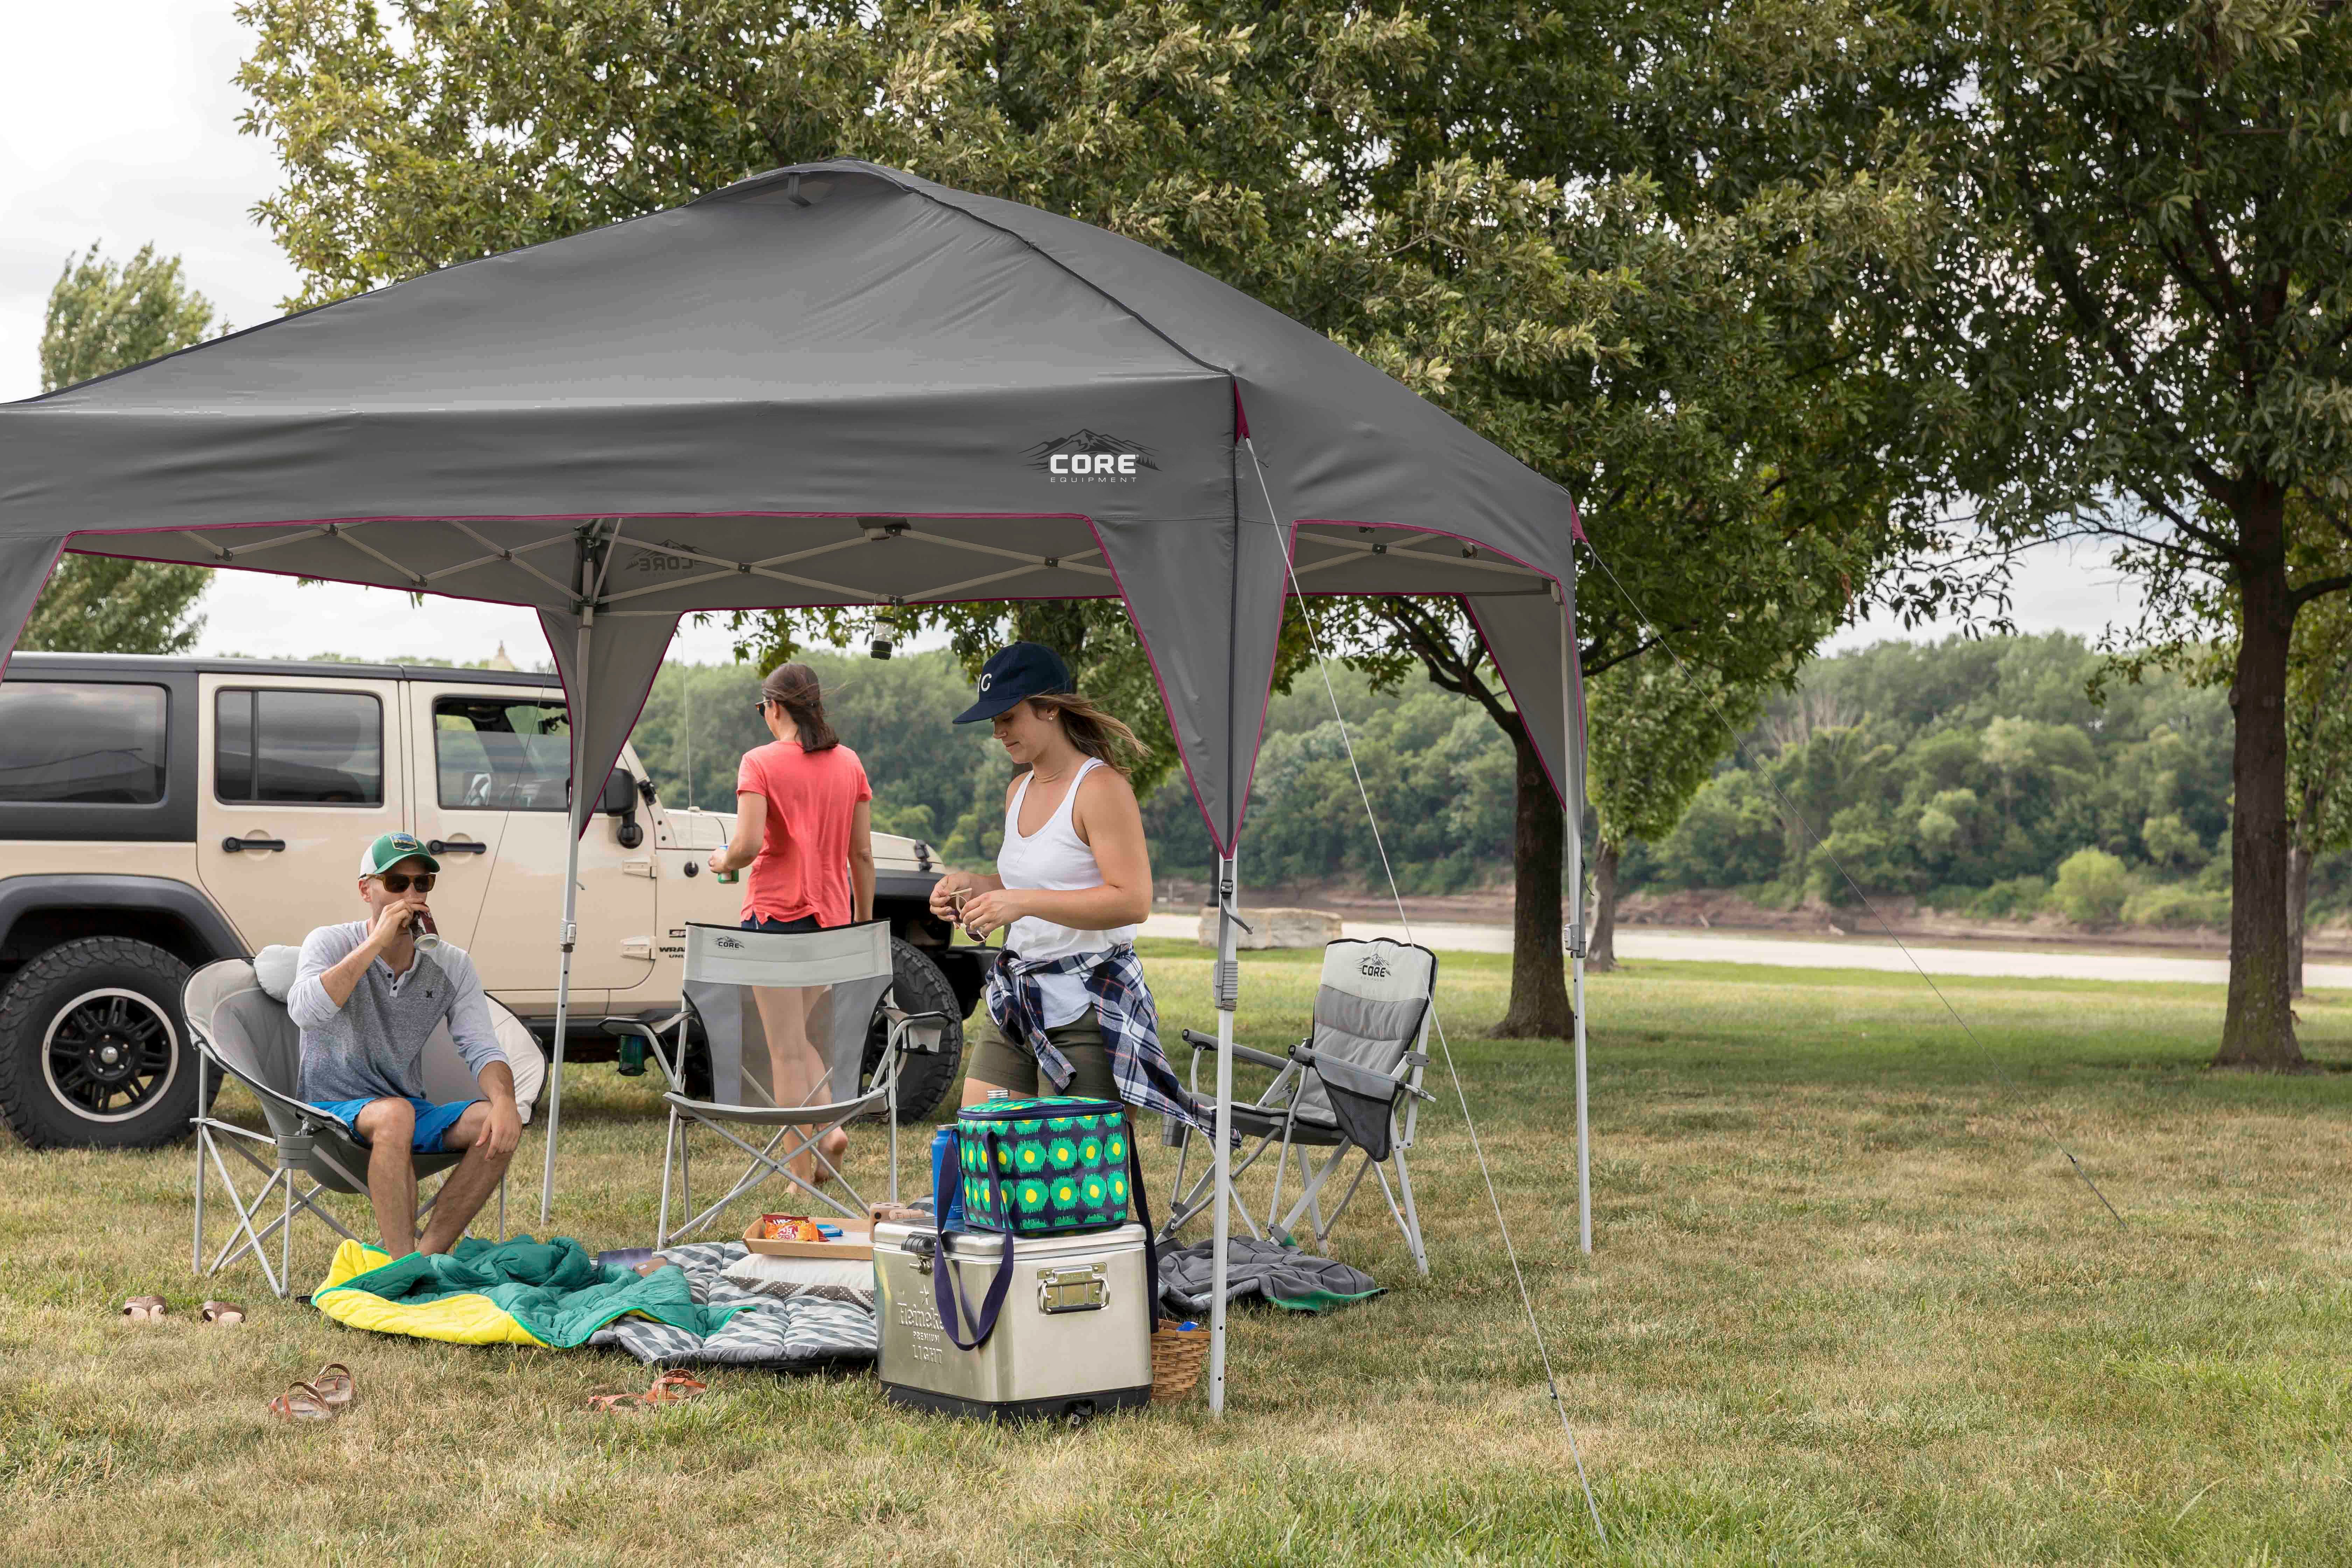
1011	1065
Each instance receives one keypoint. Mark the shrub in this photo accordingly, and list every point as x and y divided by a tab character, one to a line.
2014	898
2176	907
2091	888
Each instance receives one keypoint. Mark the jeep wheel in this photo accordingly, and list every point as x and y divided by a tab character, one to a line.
918	986
94	1052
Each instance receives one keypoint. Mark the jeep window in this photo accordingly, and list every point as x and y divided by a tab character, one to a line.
299	748
82	743
496	753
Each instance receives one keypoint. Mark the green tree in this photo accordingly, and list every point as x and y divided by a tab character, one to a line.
104	317
1657	730
2319	758
2140	303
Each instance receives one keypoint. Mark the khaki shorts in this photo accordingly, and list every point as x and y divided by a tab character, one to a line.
1009	1065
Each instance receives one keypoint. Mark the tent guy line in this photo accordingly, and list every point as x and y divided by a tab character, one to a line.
1789	808
1437	1021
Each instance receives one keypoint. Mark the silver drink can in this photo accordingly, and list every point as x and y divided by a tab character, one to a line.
422	928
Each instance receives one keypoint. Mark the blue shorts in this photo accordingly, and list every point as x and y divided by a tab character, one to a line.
433	1121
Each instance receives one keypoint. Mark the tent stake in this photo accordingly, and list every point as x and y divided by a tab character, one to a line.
1225	986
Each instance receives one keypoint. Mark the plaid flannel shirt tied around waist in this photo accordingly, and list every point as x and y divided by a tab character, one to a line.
1130	1025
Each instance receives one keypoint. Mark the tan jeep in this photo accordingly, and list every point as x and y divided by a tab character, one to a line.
157	813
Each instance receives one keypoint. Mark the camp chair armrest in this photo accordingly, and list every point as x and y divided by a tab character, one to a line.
628	1028
1361	1080
903	1037
1201	1041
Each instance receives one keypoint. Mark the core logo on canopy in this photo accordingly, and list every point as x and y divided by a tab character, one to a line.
1090	457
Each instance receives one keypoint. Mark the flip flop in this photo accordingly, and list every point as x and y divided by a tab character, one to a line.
674	1388
223	1312
300	1402
605	1404
144	1308
334	1384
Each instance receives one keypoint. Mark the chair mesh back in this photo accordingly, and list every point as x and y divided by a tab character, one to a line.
723	966
1369	1009
249	1033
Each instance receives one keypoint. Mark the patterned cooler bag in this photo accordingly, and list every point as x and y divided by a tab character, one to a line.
1056	1166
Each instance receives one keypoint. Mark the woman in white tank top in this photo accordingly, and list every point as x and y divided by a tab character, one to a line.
1071	1012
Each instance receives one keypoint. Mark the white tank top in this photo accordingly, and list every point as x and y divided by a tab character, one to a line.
1055	860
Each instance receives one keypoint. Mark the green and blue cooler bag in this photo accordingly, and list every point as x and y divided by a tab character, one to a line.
1055	1166
1045	1168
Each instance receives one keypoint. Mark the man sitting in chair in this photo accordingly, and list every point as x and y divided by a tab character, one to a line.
367	1000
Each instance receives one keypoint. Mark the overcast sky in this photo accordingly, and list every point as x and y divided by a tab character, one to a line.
117	123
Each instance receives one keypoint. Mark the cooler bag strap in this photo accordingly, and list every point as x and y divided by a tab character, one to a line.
1143	1210
948	1295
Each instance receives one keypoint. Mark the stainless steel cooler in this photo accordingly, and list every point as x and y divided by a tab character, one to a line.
1073	1337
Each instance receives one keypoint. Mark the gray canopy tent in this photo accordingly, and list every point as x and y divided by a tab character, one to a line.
833	384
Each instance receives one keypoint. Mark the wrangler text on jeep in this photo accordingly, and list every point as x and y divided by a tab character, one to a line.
157	813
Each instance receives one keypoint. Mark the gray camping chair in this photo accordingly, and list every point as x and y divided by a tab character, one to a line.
241	1029
1351	1086
723	966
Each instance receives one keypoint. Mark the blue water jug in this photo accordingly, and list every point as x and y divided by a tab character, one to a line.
947	1178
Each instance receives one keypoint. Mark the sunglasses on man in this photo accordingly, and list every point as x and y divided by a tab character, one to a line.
400	881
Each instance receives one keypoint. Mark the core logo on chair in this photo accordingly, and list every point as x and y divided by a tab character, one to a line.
1373	967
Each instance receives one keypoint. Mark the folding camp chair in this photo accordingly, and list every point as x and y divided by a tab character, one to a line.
723	966
1351	1086
241	1029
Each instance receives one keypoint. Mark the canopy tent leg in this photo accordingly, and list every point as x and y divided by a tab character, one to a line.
1225	986
1573	762
576	818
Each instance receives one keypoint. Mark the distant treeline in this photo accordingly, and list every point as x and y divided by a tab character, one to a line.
1983	777
1964	772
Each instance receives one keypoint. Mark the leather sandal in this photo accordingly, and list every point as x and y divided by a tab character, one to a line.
300	1402
333	1384
144	1308
223	1312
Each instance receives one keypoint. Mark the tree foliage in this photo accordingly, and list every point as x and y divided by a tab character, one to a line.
104	317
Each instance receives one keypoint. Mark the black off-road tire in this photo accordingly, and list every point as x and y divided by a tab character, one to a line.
918	986
94	1050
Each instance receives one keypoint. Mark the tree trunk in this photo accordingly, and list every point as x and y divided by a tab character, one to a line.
1538	977
2259	1029
2298	900
1600	947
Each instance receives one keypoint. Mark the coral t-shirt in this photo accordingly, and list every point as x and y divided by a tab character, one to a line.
802	867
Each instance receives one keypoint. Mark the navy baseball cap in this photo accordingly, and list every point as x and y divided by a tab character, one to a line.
1015	674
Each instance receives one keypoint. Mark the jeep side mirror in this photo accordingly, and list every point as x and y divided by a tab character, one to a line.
620	795
620	800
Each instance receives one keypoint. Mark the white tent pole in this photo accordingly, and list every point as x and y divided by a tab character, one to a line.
1575	918
1226	987
576	818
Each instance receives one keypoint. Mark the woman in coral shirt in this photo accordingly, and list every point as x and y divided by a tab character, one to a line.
804	826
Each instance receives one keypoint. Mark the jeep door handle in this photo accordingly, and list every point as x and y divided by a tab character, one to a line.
236	845
457	847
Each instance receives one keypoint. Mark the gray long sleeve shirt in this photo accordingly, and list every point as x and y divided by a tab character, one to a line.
371	1046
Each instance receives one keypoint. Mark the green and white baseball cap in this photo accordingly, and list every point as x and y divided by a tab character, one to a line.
390	849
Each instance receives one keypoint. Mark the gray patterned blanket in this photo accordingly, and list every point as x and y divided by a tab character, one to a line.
801	1329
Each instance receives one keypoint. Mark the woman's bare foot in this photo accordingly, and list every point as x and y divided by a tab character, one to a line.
833	1146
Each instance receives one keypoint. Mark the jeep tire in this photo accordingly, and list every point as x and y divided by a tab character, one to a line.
918	986
94	1051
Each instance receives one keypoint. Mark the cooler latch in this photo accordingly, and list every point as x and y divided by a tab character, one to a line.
1082	1289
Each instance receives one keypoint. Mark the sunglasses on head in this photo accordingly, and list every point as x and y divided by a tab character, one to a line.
400	881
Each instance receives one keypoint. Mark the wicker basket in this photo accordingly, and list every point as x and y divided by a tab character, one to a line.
1177	1355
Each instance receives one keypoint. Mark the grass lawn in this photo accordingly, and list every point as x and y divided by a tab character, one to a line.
1848	1305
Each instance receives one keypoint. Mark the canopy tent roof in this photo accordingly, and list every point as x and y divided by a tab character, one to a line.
832	385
